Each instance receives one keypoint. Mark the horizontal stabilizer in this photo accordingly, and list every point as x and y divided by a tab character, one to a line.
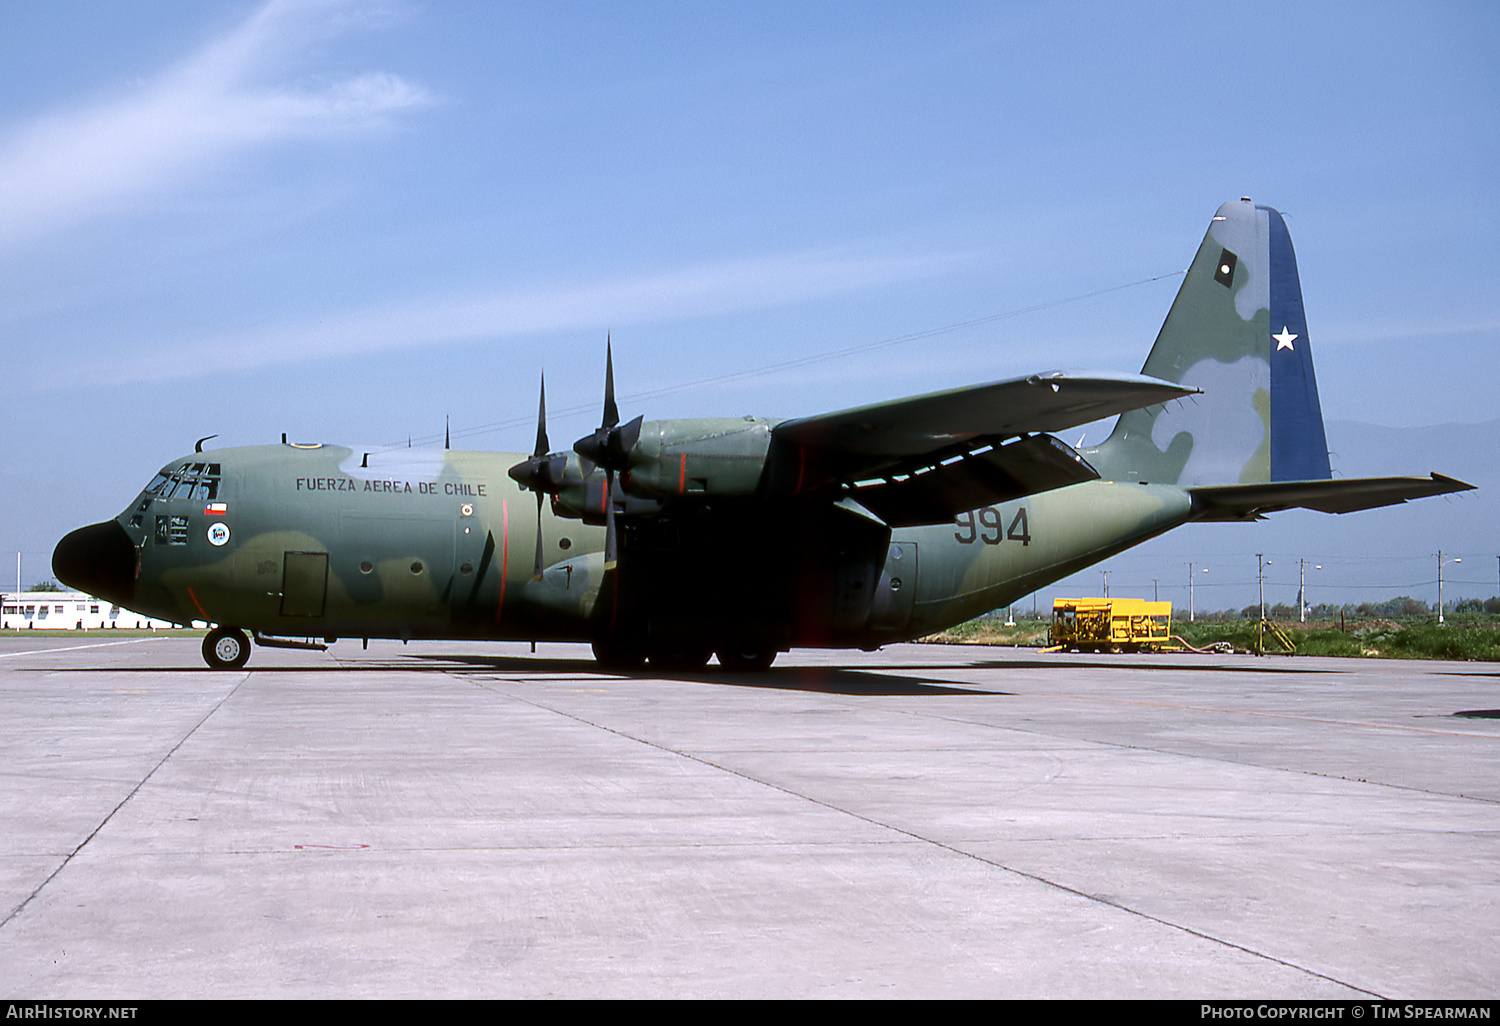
905	436
1338	495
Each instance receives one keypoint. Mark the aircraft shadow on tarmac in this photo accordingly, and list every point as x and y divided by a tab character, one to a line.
823	679
829	679
1125	664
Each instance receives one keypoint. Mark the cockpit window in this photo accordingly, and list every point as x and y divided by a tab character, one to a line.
171	530
198	481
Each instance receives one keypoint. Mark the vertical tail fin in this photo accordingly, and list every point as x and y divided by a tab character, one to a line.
1237	331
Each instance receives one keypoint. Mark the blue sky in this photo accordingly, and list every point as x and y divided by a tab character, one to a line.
348	220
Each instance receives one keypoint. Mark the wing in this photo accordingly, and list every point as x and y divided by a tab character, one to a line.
928	458
1337	495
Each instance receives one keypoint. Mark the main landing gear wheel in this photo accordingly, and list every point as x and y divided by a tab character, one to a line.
746	660
620	656
680	657
226	648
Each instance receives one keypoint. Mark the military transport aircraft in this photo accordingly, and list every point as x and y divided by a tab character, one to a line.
675	540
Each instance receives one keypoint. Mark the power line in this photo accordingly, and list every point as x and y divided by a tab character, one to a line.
804	361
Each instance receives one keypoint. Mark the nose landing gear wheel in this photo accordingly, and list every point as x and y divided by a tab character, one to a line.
226	648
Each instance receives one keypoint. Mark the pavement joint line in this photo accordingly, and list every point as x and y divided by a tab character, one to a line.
1230	762
485	685
68	858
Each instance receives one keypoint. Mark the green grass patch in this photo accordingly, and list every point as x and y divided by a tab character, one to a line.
992	631
1477	641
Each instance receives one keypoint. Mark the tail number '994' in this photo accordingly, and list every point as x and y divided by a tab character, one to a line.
984	525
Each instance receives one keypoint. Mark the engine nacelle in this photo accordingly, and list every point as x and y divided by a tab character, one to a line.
706	457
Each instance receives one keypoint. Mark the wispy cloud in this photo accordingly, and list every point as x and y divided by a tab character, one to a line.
61	169
671	295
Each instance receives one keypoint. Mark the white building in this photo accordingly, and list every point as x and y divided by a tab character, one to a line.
68	610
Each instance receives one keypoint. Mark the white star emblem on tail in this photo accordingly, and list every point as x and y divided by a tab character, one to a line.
1284	340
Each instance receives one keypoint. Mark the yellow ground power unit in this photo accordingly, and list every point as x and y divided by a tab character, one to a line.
1111	625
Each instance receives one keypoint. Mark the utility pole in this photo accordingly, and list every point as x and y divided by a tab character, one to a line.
1302	588
1105	574
1455	559
1261	577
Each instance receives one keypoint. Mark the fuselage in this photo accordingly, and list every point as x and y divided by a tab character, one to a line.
326	542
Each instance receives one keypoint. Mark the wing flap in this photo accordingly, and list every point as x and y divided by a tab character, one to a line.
1337	495
1038	463
902	435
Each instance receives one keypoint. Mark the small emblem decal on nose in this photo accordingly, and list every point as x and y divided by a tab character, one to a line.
218	533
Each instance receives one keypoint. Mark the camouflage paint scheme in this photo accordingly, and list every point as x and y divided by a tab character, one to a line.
747	536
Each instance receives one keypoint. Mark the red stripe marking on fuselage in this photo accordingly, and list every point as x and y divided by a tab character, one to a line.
682	476
196	602
504	554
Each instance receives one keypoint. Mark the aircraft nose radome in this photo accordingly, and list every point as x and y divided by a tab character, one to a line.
98	559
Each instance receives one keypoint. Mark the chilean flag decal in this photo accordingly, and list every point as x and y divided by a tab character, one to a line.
216	509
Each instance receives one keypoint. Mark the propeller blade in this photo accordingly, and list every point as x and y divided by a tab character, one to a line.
626	437
542	471
611	411
542	447
536	570
610	444
610	552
